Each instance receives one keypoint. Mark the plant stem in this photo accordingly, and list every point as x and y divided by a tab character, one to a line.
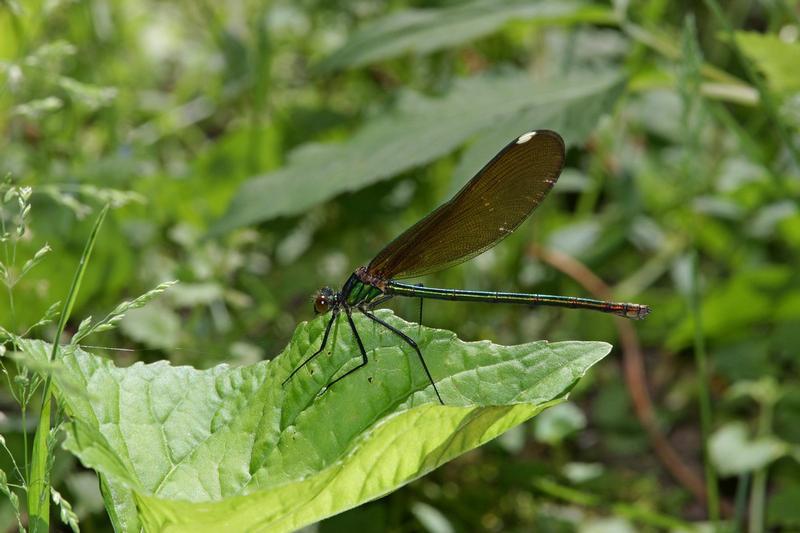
704	396
23	412
758	496
39	477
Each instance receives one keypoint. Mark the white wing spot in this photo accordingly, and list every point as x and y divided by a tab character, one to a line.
526	137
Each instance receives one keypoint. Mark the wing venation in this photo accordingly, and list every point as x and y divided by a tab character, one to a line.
487	209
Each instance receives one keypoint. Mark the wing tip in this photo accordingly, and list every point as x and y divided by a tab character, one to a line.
525	137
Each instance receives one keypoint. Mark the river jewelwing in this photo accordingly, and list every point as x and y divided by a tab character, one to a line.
487	209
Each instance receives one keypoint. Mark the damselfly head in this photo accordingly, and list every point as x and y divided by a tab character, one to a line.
324	299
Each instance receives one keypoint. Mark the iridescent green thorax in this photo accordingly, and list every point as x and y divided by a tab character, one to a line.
357	292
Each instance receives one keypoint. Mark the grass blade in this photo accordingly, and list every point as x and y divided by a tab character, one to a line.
39	476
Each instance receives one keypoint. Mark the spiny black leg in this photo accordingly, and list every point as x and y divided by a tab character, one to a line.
411	343
364	359
378	301
334	314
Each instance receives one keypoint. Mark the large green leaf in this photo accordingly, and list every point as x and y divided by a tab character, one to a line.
417	132
427	30
231	449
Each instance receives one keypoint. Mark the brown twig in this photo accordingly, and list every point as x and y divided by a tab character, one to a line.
634	370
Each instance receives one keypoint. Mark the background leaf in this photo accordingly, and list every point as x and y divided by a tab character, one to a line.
773	56
426	30
418	131
734	452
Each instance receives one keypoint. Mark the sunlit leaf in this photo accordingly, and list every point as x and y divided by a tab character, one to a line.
417	132
432	518
558	423
776	58
231	449
735	452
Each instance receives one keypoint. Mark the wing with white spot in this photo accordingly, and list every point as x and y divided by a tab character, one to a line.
488	208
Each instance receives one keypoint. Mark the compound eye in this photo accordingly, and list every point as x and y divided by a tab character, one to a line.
322	304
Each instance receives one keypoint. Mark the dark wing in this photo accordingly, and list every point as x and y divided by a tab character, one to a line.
487	209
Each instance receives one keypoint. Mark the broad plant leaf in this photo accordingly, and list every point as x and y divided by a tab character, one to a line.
735	452
776	58
423	31
767	291
418	131
230	449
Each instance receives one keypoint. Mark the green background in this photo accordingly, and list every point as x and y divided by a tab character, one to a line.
257	150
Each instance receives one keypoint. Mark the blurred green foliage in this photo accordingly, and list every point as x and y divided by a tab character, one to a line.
257	150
